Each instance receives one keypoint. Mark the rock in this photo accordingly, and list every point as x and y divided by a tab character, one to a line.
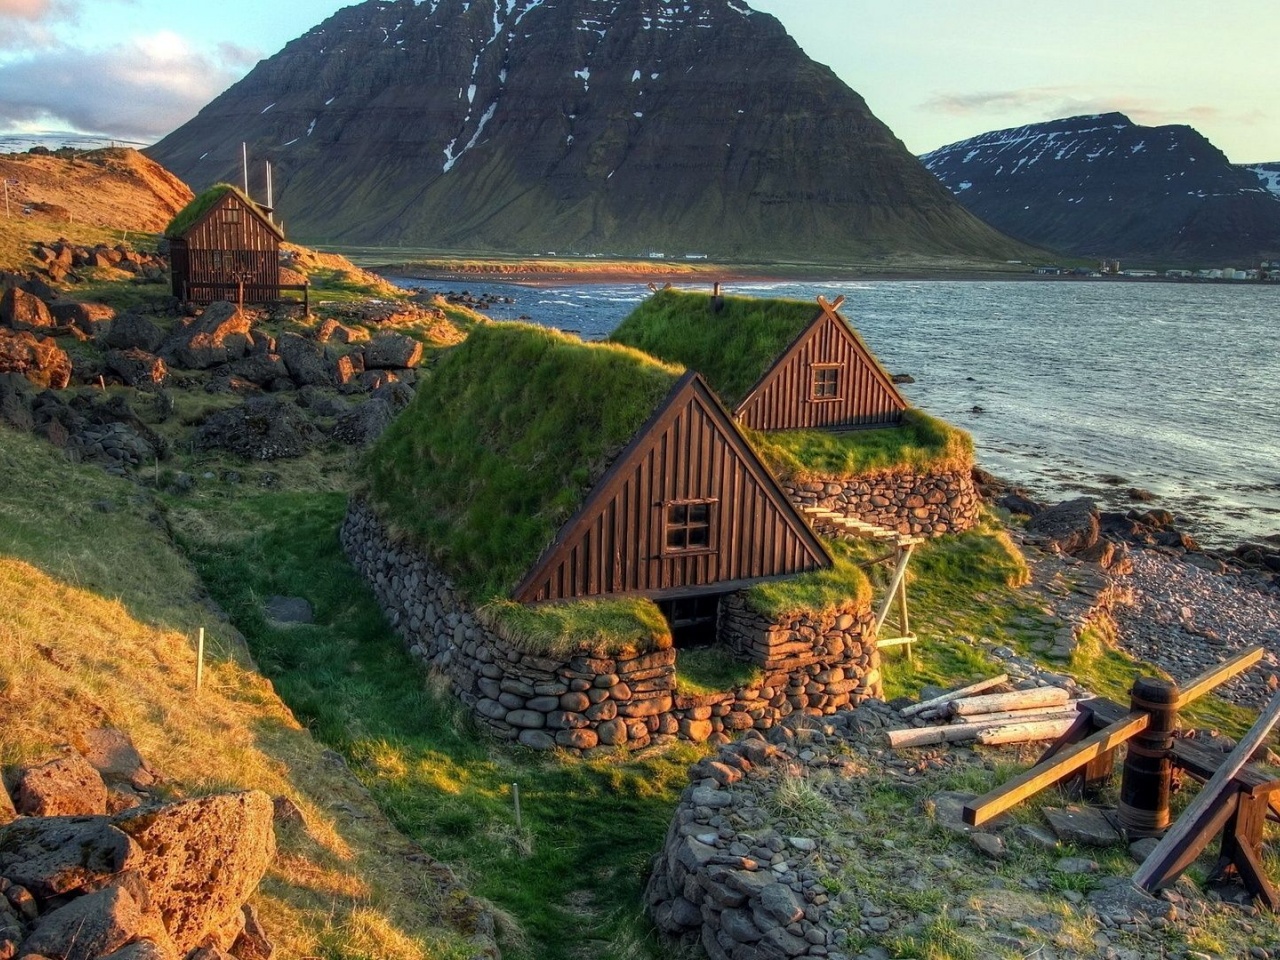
68	786
1071	526
113	755
780	902
1034	835
219	335
20	310
51	856
536	740
7	811
136	367
253	942
262	369
1139	850
989	845
130	331
364	424
95	924
392	351
289	610
263	428
141	950
91	318
304	361
1082	825
1076	865
38	359
201	859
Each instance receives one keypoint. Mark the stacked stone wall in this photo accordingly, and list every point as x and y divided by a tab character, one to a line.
585	701
928	504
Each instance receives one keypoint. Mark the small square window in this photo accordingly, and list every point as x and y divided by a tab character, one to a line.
689	525
826	383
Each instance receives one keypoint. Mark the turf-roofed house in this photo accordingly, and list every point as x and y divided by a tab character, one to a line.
819	406
583	541
224	246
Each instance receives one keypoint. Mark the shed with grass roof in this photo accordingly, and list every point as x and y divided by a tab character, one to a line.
550	517
223	246
778	364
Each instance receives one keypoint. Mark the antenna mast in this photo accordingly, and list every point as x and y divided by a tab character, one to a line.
270	202
244	162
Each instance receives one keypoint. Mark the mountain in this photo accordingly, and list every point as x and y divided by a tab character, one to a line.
595	126
1103	186
58	140
1269	174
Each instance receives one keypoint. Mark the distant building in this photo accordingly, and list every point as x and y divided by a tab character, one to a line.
1177	274
1111	267
1048	271
1139	273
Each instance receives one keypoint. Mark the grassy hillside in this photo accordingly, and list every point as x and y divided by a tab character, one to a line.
97	628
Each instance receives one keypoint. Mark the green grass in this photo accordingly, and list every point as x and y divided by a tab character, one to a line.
606	627
502	443
819	593
921	444
588	826
707	670
732	349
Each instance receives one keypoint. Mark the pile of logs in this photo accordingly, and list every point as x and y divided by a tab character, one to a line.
972	714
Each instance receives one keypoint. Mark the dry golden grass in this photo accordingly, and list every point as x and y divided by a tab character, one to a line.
97	616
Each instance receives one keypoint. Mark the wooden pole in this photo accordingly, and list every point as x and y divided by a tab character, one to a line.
1220	674
1174	844
515	798
200	660
1029	732
1148	765
903	559
979	811
972	688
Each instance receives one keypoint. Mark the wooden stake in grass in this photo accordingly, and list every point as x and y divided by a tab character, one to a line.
200	660
515	798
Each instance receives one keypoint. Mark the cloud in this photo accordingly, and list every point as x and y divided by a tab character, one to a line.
32	24
138	90
1034	104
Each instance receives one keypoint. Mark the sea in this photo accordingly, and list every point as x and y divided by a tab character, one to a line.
1069	388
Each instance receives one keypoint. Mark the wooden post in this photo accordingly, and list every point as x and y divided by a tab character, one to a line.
972	688
200	660
1148	765
515	798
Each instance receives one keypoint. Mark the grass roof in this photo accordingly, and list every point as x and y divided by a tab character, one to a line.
732	349
507	435
186	218
921	443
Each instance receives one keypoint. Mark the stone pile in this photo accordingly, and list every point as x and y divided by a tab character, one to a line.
776	850
93	867
584	701
62	259
918	504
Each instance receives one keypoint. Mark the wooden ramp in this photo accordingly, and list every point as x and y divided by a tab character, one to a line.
903	546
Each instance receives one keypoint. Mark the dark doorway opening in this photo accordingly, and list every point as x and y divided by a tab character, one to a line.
693	620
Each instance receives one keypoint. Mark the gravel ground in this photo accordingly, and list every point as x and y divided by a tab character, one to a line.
1186	619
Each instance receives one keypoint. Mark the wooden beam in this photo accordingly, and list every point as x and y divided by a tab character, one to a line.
903	559
1191	833
971	689
1038	698
1030	731
1219	675
1042	775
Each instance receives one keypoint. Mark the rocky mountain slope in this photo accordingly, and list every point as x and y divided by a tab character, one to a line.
1107	187
1269	174
623	127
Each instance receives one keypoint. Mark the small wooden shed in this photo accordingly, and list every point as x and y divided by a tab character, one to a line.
222	243
537	468
779	364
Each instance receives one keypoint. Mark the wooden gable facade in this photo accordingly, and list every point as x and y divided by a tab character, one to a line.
230	244
687	509
827	378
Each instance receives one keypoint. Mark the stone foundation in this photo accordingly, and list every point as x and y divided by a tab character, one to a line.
928	504
812	666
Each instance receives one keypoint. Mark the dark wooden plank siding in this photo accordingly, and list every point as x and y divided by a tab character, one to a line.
229	244
784	401
689	456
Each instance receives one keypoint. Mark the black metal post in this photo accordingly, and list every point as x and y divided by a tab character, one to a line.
1148	764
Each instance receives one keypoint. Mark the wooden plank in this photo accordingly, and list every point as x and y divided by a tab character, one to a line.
1069	709
1042	775
1030	732
1035	698
1190	829
1220	674
925	736
972	688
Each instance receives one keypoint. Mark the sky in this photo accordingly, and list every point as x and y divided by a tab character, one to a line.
936	71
